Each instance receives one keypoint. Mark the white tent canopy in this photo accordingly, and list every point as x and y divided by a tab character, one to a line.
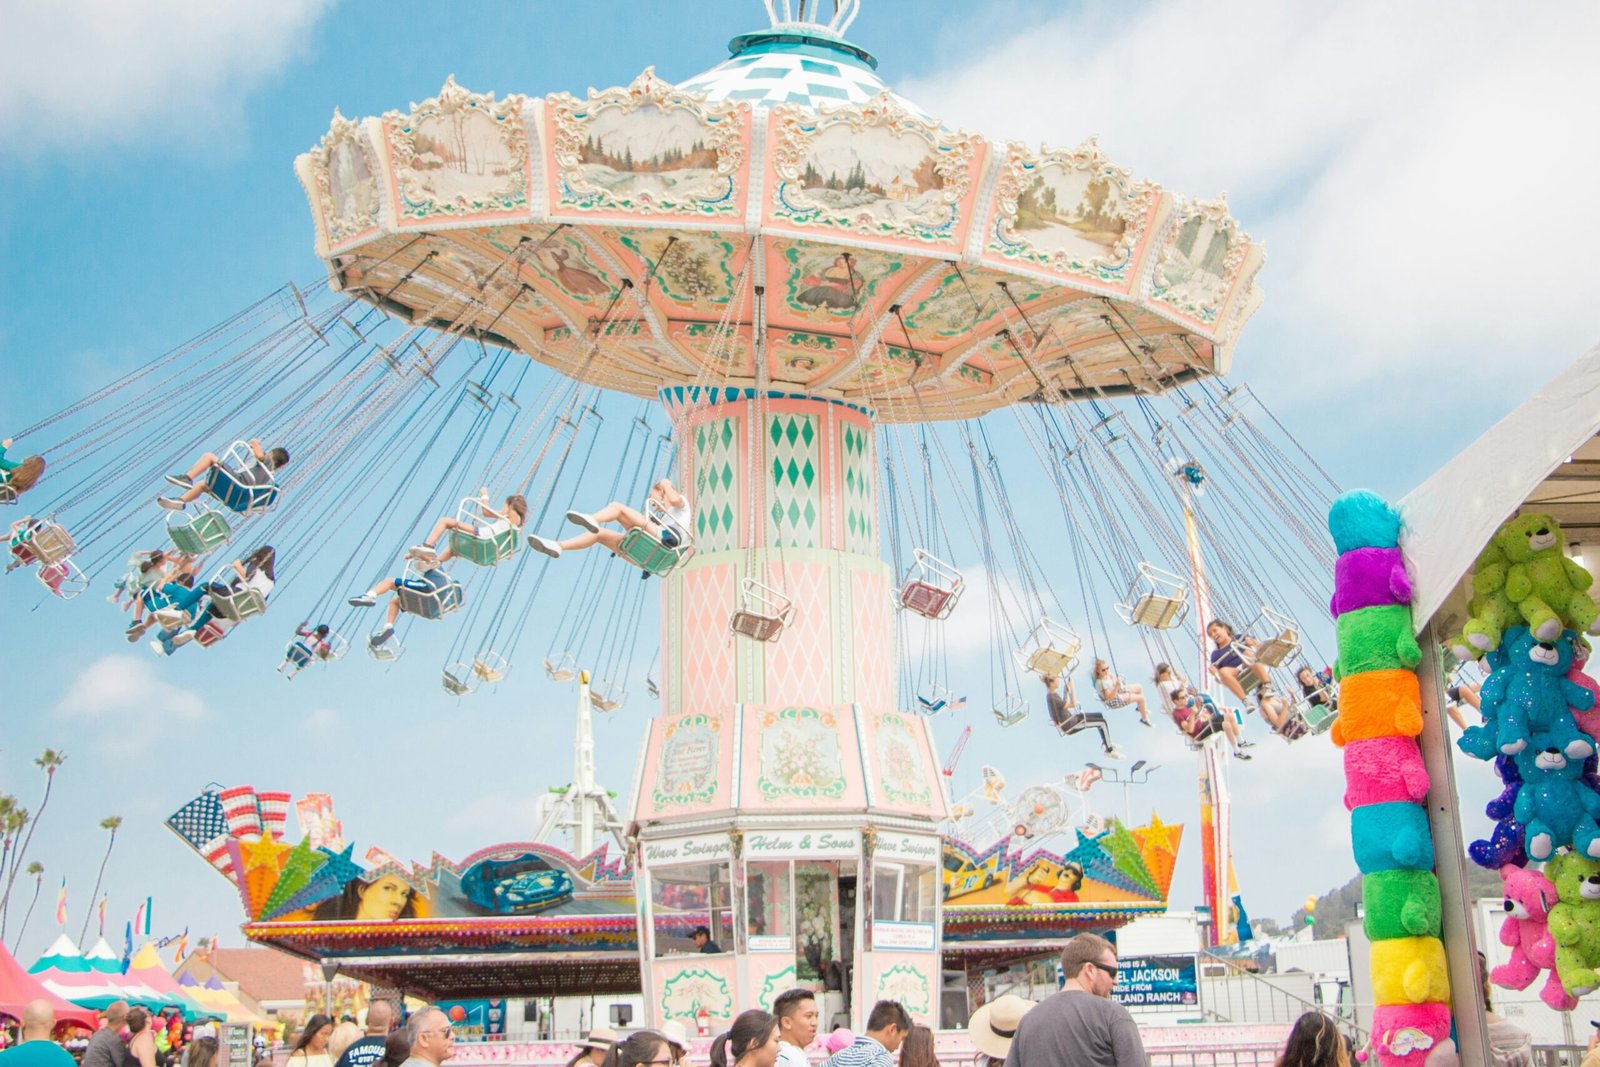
1544	456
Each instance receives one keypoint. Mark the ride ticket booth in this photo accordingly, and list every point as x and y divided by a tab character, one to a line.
842	901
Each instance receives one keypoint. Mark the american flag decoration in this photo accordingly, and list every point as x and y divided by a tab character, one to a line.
216	853
274	813
200	822
239	807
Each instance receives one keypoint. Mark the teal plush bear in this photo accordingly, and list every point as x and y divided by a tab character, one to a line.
1363	519
1400	903
1550	590
1376	639
1391	835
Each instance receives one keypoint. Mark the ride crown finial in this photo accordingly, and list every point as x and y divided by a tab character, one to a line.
808	14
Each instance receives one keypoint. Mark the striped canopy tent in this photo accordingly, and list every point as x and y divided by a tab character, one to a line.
215	999
18	988
86	980
147	969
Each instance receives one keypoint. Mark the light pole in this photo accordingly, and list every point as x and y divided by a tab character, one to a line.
1138	774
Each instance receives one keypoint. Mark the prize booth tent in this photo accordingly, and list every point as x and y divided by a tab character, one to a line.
1543	457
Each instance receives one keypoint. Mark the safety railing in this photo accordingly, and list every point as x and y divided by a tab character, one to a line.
1236	1056
1558	1055
1241	995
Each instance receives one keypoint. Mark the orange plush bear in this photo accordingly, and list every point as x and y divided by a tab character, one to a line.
1378	704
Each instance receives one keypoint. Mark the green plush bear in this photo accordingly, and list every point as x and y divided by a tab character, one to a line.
1493	612
1400	903
1575	921
1376	639
1550	590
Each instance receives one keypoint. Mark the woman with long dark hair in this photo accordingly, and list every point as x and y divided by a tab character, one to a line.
644	1048
752	1041
1315	1041
917	1049
311	1047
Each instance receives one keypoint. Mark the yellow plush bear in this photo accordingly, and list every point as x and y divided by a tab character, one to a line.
1409	970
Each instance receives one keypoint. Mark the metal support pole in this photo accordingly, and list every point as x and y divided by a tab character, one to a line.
1450	852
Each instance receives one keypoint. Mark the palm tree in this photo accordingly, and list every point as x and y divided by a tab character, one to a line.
37	870
13	818
110	823
48	761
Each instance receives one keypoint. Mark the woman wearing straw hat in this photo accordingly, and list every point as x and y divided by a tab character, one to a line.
592	1051
992	1027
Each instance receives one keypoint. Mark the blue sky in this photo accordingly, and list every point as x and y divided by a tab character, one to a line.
1428	268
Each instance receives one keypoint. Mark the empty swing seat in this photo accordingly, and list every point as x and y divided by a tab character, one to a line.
1050	649
429	594
1010	711
1157	599
932	587
63	578
482	551
561	669
490	666
457	680
1319	718
1282	640
652	687
764	612
604	697
198	533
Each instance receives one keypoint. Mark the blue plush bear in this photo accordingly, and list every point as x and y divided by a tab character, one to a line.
1363	519
1483	741
1391	836
1530	695
1554	805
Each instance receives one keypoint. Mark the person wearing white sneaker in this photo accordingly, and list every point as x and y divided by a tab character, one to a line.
1070	719
431	580
673	504
512	518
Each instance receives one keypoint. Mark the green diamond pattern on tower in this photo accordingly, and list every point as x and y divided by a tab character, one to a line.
856	475
792	518
716	495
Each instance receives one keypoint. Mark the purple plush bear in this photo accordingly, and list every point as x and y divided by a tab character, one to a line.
1369	578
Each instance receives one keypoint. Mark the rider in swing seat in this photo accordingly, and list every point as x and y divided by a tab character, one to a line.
500	522
1068	719
259	472
1195	713
1118	693
673	504
257	571
429	582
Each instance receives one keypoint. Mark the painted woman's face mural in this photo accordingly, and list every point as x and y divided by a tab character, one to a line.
384	899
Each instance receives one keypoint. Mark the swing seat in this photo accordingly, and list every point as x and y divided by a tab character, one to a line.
1157	599
481	551
228	483
1010	711
458	680
428	594
1050	650
63	579
211	633
50	543
562	669
490	666
764	612
932	587
8	494
238	605
199	533
1277	650
1274	650
651	687
171	618
642	549
1294	727
604	698
387	652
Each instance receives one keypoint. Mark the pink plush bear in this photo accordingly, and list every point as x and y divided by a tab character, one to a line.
1368	578
1406	1035
1588	721
1526	931
1382	769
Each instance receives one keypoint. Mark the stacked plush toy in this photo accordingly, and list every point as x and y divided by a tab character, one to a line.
1540	723
1380	716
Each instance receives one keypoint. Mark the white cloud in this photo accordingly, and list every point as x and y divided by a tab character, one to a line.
80	71
1422	174
125	701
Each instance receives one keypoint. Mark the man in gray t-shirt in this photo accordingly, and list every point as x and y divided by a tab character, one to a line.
1081	1026
106	1047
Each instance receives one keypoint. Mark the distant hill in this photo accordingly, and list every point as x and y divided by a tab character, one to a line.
1338	906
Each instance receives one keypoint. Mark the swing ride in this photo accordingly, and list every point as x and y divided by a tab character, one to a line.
816	291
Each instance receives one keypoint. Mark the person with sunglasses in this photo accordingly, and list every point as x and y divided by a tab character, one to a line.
431	1036
1081	1026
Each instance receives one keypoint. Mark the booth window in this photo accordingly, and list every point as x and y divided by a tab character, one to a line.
768	893
682	898
903	892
